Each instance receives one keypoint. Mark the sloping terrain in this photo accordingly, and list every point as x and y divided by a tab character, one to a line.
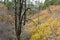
45	14
50	18
5	15
49	26
6	28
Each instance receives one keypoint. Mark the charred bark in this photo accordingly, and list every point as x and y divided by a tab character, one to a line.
20	17
15	17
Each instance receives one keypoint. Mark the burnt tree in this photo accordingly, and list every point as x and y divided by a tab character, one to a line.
21	16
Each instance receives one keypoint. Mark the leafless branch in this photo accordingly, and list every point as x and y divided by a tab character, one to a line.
32	21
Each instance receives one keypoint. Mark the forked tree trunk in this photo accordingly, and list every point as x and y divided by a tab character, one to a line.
20	17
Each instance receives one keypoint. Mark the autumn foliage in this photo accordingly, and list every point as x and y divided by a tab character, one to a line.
50	25
5	15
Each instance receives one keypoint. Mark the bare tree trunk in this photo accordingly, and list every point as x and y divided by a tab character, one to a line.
25	14
15	17
20	19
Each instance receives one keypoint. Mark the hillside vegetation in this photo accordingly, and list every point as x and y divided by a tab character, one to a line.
7	31
5	15
49	27
50	24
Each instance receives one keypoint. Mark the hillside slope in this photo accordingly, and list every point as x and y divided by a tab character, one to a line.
45	14
47	19
50	24
6	29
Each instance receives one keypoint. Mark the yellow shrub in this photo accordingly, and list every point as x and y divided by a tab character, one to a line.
44	29
41	32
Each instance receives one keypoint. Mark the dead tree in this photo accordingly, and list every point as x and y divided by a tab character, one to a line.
15	17
25	14
19	25
21	16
